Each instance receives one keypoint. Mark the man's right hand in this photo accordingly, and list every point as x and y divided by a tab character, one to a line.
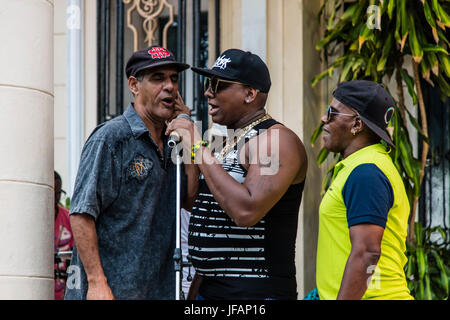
85	234
99	290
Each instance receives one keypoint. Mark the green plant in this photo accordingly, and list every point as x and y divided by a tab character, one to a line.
428	269
409	31
66	203
412	30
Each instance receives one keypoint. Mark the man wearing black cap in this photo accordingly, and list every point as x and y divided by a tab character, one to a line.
364	214
123	207
243	226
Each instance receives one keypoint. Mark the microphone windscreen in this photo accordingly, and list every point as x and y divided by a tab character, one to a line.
185	116
174	137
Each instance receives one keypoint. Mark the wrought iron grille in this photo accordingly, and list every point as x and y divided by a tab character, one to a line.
434	208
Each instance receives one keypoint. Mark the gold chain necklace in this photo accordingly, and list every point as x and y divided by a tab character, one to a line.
242	132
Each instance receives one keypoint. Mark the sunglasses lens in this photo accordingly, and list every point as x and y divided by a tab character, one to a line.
211	84
329	113
206	83
214	82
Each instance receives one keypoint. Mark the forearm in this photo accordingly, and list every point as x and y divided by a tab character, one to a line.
192	173
195	287
224	188
359	268
85	235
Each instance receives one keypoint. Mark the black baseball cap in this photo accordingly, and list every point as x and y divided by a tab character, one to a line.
152	57
240	66
373	103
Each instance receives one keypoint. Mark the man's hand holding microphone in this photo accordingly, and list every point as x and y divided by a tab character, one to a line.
182	127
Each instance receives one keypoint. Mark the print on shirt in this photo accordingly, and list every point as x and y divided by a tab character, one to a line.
139	168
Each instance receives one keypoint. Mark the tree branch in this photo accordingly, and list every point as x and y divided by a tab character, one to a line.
425	147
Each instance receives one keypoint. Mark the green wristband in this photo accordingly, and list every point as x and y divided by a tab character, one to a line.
197	146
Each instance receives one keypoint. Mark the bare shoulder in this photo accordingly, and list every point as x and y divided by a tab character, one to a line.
287	138
291	149
277	146
280	138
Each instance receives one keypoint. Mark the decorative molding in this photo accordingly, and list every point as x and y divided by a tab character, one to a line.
149	10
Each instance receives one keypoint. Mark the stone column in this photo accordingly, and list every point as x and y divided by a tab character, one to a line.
26	144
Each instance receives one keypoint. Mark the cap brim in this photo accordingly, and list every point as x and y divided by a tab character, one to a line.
382	133
211	73
178	65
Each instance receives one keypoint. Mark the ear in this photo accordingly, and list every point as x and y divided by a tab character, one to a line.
358	126
250	95
133	85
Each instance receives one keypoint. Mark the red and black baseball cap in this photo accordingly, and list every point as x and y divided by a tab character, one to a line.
241	66
373	103
152	57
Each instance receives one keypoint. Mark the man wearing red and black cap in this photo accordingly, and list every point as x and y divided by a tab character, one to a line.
243	225
363	216
123	207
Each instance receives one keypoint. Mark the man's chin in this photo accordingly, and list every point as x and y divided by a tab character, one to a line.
326	143
167	114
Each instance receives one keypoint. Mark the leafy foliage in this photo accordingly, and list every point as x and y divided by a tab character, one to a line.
427	269
372	40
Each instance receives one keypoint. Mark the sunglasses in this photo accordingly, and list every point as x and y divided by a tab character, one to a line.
330	112
216	84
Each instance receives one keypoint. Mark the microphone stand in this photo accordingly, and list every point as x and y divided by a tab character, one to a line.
174	142
179	263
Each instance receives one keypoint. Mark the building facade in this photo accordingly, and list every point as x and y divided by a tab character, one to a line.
62	74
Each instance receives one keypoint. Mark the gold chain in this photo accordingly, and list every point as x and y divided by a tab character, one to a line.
231	144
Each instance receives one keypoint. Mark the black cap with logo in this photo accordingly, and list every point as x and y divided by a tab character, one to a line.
373	103
240	66
152	57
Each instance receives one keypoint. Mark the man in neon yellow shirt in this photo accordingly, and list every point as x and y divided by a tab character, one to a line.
364	214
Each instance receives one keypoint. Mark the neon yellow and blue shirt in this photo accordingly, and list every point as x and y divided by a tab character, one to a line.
366	188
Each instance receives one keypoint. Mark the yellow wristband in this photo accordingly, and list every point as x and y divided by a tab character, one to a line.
197	146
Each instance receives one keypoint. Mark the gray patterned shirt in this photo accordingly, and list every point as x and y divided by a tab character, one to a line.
129	186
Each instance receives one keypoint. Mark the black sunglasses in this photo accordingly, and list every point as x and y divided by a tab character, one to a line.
330	112
216	84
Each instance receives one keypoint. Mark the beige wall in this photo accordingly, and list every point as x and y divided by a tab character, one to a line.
59	84
230	24
292	61
26	139
60	76
313	104
90	67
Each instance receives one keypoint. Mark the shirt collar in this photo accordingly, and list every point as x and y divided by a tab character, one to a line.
378	147
137	126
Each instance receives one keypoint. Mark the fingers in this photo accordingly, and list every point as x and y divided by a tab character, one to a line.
185	129
178	123
180	107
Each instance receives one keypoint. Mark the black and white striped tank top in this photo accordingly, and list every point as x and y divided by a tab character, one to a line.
254	262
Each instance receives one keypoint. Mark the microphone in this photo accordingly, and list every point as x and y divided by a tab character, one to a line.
174	137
